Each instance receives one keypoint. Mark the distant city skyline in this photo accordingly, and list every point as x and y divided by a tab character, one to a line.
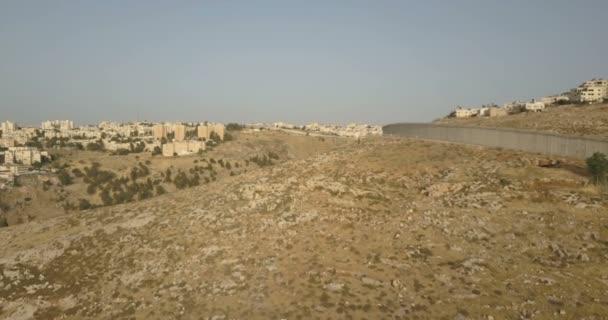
265	61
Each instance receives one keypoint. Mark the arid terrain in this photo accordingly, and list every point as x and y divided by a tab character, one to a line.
376	229
45	196
575	120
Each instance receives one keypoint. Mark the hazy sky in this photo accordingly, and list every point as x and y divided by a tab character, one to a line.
297	61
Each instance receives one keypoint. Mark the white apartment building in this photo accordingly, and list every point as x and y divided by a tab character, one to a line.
498	112
555	99
7	142
204	130
24	155
61	125
461	112
483	112
592	91
513	106
534	106
8	127
182	148
161	130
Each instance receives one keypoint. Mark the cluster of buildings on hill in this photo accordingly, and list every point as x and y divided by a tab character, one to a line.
591	91
22	147
182	139
352	130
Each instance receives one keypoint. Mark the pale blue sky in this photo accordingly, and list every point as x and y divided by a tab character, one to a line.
297	61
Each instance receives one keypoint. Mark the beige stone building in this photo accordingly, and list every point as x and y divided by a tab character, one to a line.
180	132
534	106
219	129
159	131
514	107
555	99
181	148
592	91
8	127
7	142
24	155
465	113
61	125
204	130
498	112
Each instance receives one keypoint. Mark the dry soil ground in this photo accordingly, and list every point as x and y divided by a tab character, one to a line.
388	228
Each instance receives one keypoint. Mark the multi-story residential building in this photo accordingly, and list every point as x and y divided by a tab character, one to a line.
555	99
592	91
534	106
61	125
7	142
219	129
204	130
24	155
7	127
498	112
159	131
180	132
514	106
181	148
461	112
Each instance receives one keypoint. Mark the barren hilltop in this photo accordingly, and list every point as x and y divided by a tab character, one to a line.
574	120
383	228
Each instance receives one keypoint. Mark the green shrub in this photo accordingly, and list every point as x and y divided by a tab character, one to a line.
234	126
157	150
77	172
215	137
64	178
97	146
122	152
597	165
168	175
91	189
160	190
181	180
106	198
84	204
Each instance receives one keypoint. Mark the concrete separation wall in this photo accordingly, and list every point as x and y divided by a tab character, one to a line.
545	143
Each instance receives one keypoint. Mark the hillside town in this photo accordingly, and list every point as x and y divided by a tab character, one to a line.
589	92
352	130
23	149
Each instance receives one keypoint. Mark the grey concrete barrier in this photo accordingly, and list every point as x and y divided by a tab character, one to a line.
516	139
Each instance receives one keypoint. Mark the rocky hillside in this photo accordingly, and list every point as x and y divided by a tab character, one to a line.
389	228
137	176
579	120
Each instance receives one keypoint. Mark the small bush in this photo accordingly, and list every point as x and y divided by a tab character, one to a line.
597	165
65	178
234	126
84	204
160	190
106	198
77	172
97	146
122	152
157	150
181	181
